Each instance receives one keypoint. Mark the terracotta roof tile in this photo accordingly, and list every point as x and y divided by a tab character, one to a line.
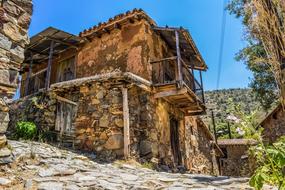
135	13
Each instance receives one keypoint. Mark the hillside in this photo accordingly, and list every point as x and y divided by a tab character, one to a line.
218	101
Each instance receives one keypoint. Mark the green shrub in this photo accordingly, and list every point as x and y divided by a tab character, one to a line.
271	162
26	130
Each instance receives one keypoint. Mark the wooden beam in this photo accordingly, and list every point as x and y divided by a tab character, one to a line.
193	113
36	52
47	82
170	29
39	72
201	83
60	41
126	123
164	59
27	81
61	99
170	93
179	66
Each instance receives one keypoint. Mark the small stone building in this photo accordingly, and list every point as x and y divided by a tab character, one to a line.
273	125
236	160
124	88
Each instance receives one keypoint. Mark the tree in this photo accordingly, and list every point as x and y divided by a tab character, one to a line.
253	55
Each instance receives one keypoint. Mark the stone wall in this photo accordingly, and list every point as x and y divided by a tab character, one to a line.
199	147
98	125
236	162
14	22
274	125
99	120
39	108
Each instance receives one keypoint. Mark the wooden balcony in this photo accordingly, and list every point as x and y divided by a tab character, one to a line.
173	77
186	94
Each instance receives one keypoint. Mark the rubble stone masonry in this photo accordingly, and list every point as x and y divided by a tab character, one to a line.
15	18
98	124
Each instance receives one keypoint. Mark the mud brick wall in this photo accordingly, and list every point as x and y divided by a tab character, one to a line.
15	18
130	48
124	49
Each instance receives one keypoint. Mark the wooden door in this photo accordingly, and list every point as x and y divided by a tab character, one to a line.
174	140
64	118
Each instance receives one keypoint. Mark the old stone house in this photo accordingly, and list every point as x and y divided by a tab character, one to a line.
273	125
123	88
236	160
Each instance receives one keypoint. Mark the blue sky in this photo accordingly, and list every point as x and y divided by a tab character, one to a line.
202	17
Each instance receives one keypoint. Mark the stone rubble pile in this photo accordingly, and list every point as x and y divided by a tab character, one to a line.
42	166
15	18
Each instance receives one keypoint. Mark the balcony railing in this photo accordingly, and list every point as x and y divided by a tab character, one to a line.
165	71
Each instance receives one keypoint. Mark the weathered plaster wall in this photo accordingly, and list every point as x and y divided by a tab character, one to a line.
129	48
164	111
274	126
124	49
14	22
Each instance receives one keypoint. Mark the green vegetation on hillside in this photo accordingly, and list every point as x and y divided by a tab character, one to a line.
221	101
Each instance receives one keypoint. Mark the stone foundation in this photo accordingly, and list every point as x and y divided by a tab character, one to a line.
14	22
97	125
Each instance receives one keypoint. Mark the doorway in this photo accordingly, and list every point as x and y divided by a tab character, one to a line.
174	140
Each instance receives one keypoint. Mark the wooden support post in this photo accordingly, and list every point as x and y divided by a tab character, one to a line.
47	82
229	130
62	99
179	66
202	86
214	125
126	123
194	86
28	77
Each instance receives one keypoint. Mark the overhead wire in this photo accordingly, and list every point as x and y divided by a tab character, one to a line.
222	40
